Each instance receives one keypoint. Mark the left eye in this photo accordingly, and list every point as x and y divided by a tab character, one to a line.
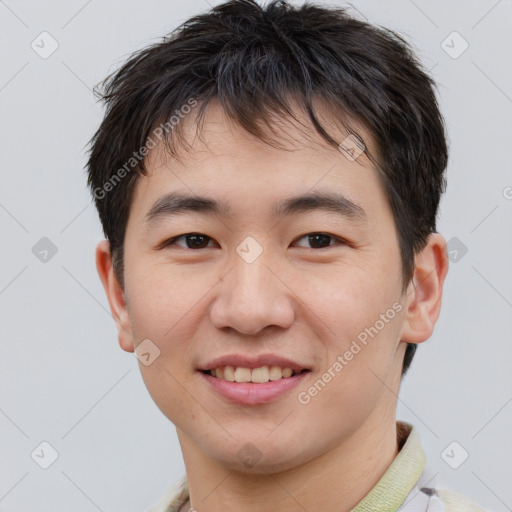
200	241
321	239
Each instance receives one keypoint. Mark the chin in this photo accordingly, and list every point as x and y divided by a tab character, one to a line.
260	457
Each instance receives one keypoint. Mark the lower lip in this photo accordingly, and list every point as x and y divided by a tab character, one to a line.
250	393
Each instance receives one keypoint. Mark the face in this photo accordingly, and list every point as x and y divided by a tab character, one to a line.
265	280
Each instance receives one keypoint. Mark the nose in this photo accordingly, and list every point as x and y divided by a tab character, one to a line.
251	297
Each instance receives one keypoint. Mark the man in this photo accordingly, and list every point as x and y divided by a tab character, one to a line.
268	180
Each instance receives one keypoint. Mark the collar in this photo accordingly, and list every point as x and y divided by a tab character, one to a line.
400	478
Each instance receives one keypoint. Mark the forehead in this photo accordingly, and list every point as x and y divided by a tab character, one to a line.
193	136
224	159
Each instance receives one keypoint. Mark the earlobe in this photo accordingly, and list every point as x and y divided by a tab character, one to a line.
115	295
424	295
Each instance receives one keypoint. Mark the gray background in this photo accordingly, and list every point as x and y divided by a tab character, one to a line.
63	378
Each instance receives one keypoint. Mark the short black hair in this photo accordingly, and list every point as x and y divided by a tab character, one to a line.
256	60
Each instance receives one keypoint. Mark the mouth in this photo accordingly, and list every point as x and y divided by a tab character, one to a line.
252	386
259	375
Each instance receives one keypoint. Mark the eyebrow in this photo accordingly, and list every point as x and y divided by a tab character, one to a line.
176	203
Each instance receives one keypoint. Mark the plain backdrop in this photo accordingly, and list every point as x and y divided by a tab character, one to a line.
63	378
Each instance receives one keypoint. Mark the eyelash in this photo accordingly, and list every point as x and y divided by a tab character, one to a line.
338	240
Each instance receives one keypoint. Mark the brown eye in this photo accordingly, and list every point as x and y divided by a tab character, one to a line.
321	240
192	241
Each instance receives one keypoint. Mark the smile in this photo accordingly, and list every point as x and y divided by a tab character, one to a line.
255	375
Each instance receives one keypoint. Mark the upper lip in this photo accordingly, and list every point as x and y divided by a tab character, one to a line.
244	361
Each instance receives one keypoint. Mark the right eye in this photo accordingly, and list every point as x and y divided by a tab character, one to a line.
192	241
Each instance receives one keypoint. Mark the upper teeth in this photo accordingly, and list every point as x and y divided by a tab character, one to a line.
260	375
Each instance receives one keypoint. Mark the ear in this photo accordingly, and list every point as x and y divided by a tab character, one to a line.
115	295
424	294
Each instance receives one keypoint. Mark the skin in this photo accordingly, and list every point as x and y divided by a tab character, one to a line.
296	299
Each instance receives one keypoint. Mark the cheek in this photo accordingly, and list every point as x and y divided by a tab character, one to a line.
347	299
163	309
163	298
364	319
350	387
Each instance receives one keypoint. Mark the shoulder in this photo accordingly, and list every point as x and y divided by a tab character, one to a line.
454	502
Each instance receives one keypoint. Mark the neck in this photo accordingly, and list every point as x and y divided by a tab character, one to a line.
338	479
